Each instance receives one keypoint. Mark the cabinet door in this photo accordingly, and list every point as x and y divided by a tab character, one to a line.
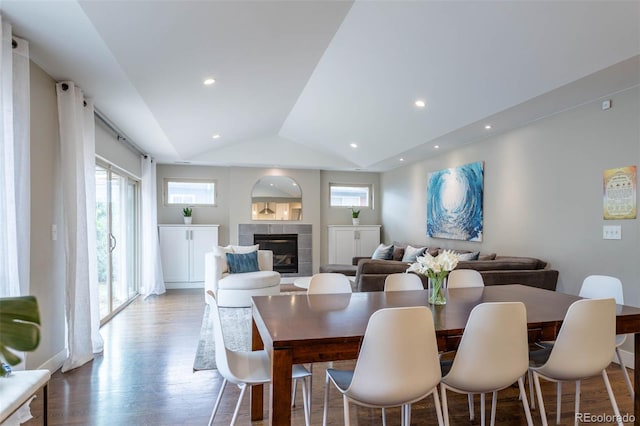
368	240
174	251
203	239
343	246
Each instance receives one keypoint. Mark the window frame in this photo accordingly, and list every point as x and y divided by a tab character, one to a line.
370	198
165	191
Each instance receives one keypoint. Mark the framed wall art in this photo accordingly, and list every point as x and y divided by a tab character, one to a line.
454	202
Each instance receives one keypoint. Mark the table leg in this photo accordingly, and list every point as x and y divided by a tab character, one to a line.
45	404
280	399
256	396
636	377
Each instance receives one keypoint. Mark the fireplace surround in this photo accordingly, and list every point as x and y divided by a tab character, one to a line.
247	231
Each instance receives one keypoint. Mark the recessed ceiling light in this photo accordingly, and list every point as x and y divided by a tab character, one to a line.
487	127
402	159
216	136
209	81
420	103
353	145
436	146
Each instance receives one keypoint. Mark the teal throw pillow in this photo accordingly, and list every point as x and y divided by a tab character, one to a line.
383	252
242	262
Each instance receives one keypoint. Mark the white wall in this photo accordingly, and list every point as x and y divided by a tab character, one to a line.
115	152
542	193
47	256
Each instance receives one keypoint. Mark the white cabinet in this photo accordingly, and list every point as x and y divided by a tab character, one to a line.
182	250
347	242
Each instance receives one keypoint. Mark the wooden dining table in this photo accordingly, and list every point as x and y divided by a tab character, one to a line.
301	328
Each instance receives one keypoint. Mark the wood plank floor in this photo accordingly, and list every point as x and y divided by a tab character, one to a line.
145	377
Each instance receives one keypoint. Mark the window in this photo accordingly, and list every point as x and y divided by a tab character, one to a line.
350	195
192	192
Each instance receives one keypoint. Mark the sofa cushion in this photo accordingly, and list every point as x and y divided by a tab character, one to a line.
383	252
398	252
240	263
249	280
487	256
468	256
244	249
412	253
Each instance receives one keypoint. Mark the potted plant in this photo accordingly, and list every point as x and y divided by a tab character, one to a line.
19	329
355	216
186	213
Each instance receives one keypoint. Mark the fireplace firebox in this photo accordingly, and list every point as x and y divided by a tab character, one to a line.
284	248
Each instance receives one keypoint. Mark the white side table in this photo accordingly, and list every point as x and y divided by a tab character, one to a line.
19	387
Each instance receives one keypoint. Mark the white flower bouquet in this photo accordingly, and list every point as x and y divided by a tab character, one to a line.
437	268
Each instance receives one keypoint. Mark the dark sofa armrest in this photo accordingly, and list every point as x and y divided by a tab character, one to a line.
377	266
355	260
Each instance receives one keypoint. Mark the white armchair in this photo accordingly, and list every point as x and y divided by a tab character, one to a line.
235	290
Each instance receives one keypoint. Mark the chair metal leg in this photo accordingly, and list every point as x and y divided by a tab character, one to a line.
531	392
293	393
612	397
243	389
345	403
543	414
525	404
625	374
326	401
305	400
558	402
215	406
384	417
576	408
445	408
494	402
436	402
407	416
482	404
472	413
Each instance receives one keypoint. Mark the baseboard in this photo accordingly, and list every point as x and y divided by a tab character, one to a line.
627	358
173	286
54	363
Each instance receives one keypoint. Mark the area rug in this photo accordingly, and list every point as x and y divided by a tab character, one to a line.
236	328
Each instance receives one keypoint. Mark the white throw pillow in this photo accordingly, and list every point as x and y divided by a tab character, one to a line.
244	249
222	253
411	253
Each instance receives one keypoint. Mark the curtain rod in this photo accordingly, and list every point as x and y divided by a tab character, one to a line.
120	136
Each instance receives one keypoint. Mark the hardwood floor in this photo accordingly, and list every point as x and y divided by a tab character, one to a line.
145	377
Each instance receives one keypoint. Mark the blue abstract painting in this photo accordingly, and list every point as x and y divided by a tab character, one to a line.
454	202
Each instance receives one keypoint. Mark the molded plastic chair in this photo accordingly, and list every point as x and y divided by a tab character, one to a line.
493	354
464	278
599	286
328	283
403	282
245	369
584	348
397	364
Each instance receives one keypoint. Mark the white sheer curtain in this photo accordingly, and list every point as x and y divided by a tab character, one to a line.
15	172
152	277
77	149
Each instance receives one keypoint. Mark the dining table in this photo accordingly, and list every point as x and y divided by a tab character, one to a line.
302	328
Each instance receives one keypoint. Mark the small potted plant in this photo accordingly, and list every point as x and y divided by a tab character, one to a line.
186	213
355	216
20	326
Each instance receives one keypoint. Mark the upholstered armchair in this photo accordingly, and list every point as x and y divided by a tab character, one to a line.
236	289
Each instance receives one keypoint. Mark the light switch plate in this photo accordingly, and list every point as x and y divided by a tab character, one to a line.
612	232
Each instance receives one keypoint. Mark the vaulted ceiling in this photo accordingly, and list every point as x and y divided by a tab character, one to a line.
298	82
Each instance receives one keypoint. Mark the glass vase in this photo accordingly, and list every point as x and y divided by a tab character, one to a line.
438	290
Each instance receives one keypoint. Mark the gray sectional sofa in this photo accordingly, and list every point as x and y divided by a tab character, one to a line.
495	270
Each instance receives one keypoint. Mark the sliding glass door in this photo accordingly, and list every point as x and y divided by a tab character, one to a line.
117	239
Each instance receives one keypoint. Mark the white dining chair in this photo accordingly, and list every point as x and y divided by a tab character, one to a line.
492	355
397	364
583	349
247	368
402	282
329	283
459	278
602	286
